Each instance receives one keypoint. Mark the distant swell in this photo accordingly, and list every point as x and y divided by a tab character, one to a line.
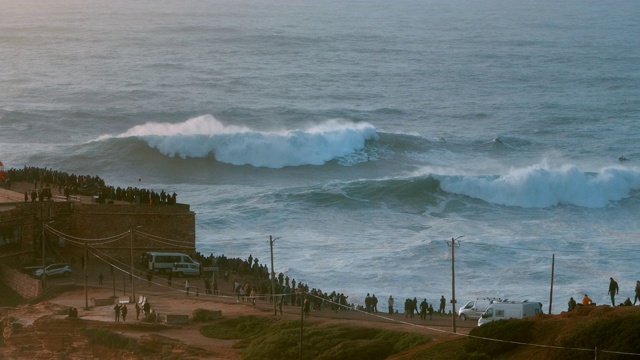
539	186
204	135
408	195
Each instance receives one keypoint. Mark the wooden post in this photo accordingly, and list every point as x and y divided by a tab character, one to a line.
453	283
301	323
553	264
133	286
44	275
86	278
273	278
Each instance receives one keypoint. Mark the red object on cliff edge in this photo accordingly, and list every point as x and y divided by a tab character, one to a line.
2	173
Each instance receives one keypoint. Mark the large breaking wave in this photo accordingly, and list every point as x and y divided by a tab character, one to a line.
540	186
204	136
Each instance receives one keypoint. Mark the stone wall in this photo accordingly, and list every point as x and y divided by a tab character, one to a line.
155	228
159	227
23	284
23	224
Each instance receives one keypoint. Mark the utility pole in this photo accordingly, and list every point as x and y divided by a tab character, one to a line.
133	286
44	216
553	265
301	323
86	277
453	280
273	277
44	274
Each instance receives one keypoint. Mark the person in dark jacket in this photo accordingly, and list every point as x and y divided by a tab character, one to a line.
613	290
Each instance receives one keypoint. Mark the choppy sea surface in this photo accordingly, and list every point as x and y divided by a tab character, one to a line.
362	135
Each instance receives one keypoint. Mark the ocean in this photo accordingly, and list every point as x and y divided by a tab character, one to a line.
361	135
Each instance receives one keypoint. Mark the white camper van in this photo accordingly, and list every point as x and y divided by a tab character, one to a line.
474	308
164	261
510	310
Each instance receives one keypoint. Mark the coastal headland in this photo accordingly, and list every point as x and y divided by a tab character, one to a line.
40	326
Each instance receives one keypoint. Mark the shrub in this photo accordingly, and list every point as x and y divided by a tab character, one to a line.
267	338
111	339
504	331
238	328
201	315
619	334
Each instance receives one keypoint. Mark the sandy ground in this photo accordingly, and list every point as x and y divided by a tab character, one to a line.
166	299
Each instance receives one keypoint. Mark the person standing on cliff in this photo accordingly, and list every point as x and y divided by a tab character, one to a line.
116	308
374	303
390	301
613	290
137	311
306	307
123	311
424	307
146	307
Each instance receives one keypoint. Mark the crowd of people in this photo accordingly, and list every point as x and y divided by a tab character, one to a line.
44	180
251	281
288	292
614	290
256	284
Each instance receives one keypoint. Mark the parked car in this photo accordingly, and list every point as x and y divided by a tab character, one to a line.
186	269
474	308
54	270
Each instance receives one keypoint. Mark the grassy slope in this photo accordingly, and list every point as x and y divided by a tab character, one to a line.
613	329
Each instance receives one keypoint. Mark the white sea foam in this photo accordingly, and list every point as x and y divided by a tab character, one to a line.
540	186
237	145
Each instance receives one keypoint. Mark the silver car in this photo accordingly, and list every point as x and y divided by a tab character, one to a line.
186	269
54	270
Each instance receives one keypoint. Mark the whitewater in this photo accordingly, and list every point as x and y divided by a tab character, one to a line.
363	136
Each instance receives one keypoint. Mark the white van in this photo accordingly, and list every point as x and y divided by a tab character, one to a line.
474	308
163	261
510	310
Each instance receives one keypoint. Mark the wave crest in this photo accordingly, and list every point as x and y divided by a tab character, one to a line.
237	145
539	186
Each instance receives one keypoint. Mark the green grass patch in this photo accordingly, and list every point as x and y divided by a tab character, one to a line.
111	339
238	328
447	350
266	338
512	330
619	334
